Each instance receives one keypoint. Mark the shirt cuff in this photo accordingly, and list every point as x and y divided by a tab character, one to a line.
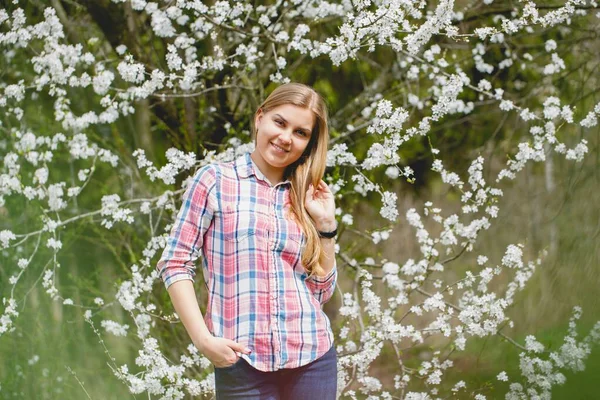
326	278
176	278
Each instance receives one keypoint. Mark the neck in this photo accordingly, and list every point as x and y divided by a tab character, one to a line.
273	175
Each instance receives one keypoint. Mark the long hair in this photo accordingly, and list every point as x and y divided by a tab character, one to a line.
309	168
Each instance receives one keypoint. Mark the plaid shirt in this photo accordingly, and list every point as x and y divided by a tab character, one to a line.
259	294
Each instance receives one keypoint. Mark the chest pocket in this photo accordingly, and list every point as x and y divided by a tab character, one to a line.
238	225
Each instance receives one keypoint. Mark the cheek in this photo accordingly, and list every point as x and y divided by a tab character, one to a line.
305	145
263	135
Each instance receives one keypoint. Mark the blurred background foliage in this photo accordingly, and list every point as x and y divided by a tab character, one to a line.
51	340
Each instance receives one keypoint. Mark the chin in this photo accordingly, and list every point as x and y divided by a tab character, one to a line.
279	164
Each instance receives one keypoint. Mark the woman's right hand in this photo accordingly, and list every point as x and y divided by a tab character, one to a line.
221	351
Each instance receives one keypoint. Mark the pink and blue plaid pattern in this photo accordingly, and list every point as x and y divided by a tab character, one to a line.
258	291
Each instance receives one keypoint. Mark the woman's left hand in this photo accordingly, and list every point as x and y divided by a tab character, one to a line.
320	205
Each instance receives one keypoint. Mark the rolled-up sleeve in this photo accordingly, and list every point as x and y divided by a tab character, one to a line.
322	287
187	235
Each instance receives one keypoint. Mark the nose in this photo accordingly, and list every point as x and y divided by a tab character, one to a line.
285	136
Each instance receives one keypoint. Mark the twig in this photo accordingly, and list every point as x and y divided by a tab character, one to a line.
78	381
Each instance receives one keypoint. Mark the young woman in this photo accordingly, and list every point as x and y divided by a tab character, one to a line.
265	226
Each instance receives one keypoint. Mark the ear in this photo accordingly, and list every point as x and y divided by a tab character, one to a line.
258	117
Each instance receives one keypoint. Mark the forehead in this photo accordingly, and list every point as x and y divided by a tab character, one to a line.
294	115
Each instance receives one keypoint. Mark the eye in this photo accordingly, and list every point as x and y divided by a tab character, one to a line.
278	122
302	133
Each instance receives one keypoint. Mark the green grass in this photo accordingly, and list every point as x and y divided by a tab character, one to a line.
59	338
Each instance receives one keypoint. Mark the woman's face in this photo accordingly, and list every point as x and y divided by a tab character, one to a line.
282	136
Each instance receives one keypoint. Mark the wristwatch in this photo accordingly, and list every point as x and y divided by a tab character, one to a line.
328	235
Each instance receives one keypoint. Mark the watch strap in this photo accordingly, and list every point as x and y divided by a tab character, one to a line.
328	235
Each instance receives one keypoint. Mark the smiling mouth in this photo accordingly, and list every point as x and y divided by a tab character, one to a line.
279	148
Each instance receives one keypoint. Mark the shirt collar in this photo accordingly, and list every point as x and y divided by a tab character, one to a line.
246	168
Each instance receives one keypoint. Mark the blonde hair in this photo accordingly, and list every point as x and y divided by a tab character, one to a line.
309	168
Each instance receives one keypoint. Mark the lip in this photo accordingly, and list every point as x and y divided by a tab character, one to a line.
279	149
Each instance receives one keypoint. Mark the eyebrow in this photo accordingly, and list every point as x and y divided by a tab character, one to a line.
285	120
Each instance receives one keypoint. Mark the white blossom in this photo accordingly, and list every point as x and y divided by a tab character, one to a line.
102	82
114	327
502	377
5	237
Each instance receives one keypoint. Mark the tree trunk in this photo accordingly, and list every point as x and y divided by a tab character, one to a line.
143	134
549	181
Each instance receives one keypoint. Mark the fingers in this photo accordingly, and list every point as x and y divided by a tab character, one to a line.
312	192
320	186
239	347
319	192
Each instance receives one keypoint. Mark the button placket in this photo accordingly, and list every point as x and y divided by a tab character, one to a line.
272	227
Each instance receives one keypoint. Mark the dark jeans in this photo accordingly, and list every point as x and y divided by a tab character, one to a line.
316	380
